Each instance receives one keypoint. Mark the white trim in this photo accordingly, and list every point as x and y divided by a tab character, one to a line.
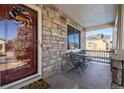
74	26
30	79
97	27
76	50
114	37
122	28
66	46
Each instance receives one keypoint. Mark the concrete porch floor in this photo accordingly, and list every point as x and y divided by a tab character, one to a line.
95	76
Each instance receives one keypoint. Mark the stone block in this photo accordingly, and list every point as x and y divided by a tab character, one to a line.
47	23
49	68
46	37
52	61
54	42
56	14
44	56
45	28
116	86
46	33
45	64
55	34
54	25
117	64
61	42
44	12
56	21
48	62
46	41
47	18
53	56
54	38
46	45
53	53
117	76
51	14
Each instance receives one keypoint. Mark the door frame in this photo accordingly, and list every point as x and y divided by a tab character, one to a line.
38	75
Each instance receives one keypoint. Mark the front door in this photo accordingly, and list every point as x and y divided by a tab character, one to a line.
18	36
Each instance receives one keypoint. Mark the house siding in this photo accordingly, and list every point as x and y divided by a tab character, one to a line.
2	47
54	38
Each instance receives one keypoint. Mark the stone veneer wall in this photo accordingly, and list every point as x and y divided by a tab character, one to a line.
54	36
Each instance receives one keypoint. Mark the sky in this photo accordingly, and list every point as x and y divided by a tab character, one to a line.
106	31
8	29
74	38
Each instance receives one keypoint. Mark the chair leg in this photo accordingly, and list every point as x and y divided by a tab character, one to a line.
73	68
84	66
79	69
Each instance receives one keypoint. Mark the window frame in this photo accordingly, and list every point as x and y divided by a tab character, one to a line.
75	30
1	47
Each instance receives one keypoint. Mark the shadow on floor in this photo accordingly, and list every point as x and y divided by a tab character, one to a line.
95	76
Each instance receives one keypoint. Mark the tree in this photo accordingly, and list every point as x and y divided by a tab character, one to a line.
22	44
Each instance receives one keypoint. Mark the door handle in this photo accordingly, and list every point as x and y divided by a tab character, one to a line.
41	45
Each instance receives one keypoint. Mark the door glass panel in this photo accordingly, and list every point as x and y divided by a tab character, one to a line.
11	46
2	47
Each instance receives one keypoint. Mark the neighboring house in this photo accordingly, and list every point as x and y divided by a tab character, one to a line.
98	42
2	46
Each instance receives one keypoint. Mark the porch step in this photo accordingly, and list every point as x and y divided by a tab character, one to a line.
56	82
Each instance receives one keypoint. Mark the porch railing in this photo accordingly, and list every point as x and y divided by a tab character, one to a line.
99	55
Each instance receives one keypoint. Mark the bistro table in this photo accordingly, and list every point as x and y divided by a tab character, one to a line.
83	56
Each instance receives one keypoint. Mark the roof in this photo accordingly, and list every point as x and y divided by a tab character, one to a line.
2	39
98	36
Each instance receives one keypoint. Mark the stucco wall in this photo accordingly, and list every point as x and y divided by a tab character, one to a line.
54	37
2	51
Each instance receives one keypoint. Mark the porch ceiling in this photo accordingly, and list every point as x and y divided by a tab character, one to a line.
89	15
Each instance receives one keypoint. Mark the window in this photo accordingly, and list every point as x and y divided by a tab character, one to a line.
1	46
73	38
90	44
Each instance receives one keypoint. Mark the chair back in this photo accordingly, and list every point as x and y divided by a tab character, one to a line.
73	58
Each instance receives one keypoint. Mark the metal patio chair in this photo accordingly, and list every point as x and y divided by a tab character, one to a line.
75	63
